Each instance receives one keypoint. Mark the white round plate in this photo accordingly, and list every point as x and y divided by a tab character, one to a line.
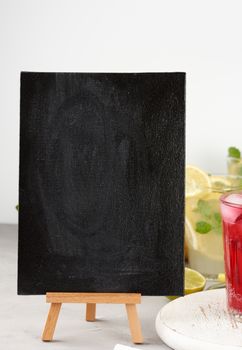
199	321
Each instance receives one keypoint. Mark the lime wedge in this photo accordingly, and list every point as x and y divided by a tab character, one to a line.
194	282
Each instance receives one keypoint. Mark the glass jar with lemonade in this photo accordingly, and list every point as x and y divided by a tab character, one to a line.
234	161
203	222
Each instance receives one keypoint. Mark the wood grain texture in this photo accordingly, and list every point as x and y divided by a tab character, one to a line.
199	321
101	298
51	322
134	324
90	312
101	187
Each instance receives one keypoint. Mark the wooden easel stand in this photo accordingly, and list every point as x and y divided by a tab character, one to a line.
91	299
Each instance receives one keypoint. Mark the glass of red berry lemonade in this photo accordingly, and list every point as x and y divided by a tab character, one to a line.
231	209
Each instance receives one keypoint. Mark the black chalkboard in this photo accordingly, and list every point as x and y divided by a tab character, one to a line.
101	183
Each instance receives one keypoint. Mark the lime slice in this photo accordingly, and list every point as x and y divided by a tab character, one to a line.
194	282
197	181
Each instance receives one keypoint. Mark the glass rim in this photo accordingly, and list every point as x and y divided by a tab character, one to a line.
227	188
224	175
234	157
229	203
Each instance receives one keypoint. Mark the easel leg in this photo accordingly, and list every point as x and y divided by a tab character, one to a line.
134	324
51	322
90	312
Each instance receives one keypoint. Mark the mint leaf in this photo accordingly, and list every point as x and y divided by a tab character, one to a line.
218	218
217	222
234	152
240	171
203	227
204	208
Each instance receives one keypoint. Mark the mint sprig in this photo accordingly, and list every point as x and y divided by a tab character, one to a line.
218	218
211	220
233	152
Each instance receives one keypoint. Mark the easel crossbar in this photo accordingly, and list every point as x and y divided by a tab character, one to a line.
96	298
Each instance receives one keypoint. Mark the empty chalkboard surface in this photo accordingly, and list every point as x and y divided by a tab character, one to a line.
101	183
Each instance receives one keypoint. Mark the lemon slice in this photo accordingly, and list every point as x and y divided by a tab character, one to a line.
197	181
221	277
194	282
190	237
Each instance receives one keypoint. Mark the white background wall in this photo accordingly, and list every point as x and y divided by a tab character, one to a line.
200	37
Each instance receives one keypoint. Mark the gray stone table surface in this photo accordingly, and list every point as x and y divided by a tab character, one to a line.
22	318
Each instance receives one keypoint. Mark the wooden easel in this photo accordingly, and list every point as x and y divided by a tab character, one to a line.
91	299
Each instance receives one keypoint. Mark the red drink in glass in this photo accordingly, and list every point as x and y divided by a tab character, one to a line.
231	208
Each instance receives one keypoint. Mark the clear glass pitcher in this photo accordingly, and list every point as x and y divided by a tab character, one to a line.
203	225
